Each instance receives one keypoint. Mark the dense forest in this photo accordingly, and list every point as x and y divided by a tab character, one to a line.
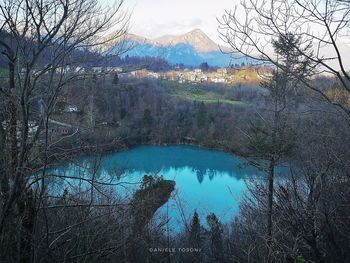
297	118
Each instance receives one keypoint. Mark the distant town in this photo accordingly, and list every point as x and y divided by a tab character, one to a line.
220	75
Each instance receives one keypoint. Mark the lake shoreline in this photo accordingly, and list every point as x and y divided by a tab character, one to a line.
109	148
199	173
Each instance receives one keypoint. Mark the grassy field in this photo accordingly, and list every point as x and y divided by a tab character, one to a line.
194	92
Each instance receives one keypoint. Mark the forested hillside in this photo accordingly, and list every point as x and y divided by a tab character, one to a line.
65	103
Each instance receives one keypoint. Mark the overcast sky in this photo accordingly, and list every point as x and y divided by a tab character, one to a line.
154	18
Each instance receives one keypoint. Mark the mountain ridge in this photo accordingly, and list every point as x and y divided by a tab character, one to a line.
191	49
195	38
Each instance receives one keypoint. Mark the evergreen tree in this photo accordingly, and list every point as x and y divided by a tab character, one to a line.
216	240
115	79
195	229
147	118
123	113
271	138
94	78
204	66
195	239
201	115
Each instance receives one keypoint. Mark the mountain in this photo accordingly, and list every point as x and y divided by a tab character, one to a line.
195	38
191	49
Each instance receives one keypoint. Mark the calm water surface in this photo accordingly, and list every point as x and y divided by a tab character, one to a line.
206	180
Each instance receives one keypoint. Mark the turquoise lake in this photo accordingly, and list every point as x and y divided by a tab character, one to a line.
208	181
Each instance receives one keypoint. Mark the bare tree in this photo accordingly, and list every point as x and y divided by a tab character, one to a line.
43	44
308	199
250	28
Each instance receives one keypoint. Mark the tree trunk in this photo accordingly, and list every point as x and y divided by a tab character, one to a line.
270	206
13	120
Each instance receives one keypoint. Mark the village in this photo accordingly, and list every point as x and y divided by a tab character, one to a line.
220	75
249	74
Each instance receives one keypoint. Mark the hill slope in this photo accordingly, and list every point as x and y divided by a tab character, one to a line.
192	49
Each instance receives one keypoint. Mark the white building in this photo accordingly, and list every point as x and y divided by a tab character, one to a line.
71	108
97	69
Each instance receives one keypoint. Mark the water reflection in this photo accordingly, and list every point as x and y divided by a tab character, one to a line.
150	159
206	180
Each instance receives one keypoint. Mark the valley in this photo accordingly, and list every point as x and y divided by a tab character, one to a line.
116	147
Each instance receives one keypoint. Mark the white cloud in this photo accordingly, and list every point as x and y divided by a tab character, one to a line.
154	18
